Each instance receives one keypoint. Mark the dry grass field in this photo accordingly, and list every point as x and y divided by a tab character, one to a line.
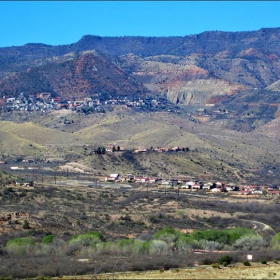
256	271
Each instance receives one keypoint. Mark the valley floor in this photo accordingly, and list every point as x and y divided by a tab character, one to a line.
256	271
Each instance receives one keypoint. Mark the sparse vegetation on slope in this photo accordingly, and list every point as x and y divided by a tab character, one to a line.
74	222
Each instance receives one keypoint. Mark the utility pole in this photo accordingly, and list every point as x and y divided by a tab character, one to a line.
42	170
54	176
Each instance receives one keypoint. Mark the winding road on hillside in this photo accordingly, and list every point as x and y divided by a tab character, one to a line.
260	227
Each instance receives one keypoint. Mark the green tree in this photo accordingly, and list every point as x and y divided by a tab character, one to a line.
186	243
158	247
140	247
100	150
227	236
25	225
275	241
88	239
166	231
48	239
249	243
225	259
19	245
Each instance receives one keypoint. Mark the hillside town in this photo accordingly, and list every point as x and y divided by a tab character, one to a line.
45	102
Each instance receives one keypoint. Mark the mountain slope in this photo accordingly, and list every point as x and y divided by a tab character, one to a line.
195	69
38	134
203	77
12	145
29	139
82	76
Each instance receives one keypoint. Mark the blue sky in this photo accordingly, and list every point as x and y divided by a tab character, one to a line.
65	22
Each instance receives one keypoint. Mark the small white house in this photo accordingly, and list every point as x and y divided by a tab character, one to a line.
190	184
165	183
207	186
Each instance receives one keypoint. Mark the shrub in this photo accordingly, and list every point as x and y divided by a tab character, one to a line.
7	191
206	261
112	248
25	225
140	247
19	245
48	239
124	245
87	239
158	247
73	249
125	242
263	262
227	236
210	245
275	241
246	263
100	247
54	246
225	259
21	241
185	243
215	265
249	243
169	238
42	277
167	231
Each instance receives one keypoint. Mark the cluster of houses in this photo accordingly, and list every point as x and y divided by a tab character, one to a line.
163	149
185	184
216	187
44	102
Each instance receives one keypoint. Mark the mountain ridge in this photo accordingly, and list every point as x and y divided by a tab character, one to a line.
195	69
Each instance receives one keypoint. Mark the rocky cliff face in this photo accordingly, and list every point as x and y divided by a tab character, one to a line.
181	80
